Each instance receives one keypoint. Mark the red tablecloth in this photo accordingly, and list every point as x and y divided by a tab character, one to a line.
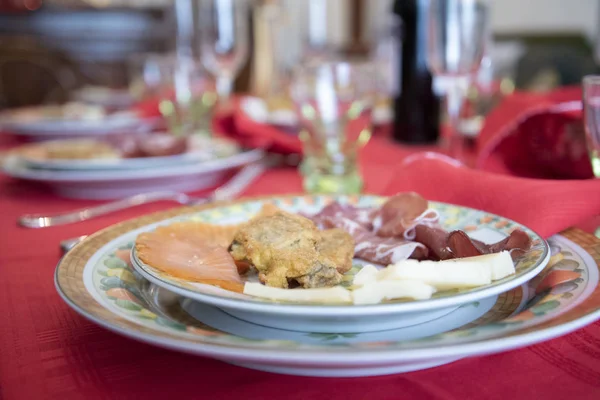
47	351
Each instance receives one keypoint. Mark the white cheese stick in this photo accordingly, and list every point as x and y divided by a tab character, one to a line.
367	274
376	292
453	274
440	274
335	294
501	264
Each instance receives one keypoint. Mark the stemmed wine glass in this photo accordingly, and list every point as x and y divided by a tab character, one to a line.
224	40
458	33
591	111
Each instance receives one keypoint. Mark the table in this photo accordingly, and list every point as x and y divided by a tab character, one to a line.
48	351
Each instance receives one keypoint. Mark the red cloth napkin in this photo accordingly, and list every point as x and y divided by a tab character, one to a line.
546	206
251	133
536	135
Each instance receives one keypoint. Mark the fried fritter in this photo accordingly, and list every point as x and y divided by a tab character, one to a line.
284	249
337	245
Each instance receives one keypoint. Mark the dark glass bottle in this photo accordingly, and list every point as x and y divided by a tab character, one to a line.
416	106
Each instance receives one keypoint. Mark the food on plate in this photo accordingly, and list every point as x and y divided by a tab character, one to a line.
368	245
367	274
184	252
214	235
150	145
457	244
112	147
405	227
377	291
400	214
284	248
77	149
458	273
185	249
336	294
303	258
337	246
67	111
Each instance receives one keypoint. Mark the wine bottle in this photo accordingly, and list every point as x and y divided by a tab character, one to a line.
416	105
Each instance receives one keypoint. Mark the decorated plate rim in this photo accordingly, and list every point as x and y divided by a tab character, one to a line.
76	296
17	169
84	165
578	316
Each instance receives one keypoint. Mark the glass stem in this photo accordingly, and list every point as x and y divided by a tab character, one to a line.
455	100
224	87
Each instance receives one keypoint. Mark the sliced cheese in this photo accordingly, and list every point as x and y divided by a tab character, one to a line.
501	264
458	273
367	274
442	275
335	294
377	291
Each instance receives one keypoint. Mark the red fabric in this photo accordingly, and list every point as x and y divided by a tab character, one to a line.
48	352
529	135
536	135
547	206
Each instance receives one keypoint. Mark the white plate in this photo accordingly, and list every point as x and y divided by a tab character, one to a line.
201	150
51	129
96	283
104	96
111	184
349	318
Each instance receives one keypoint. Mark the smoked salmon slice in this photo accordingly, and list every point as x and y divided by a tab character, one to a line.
185	251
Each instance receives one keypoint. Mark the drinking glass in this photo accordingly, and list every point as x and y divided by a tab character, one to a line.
591	115
186	94
188	106
334	101
458	33
224	40
145	72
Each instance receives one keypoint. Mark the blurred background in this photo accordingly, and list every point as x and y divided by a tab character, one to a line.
49	48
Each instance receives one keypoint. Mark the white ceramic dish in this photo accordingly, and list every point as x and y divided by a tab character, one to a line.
111	184
57	128
104	96
201	150
349	318
95	281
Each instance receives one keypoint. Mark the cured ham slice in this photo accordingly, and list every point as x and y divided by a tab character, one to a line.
445	245
362	216
401	214
517	243
373	248
387	251
405	227
436	240
461	245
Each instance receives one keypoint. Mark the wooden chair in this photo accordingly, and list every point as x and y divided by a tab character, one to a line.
31	74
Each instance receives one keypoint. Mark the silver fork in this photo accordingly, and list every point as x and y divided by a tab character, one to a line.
228	191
